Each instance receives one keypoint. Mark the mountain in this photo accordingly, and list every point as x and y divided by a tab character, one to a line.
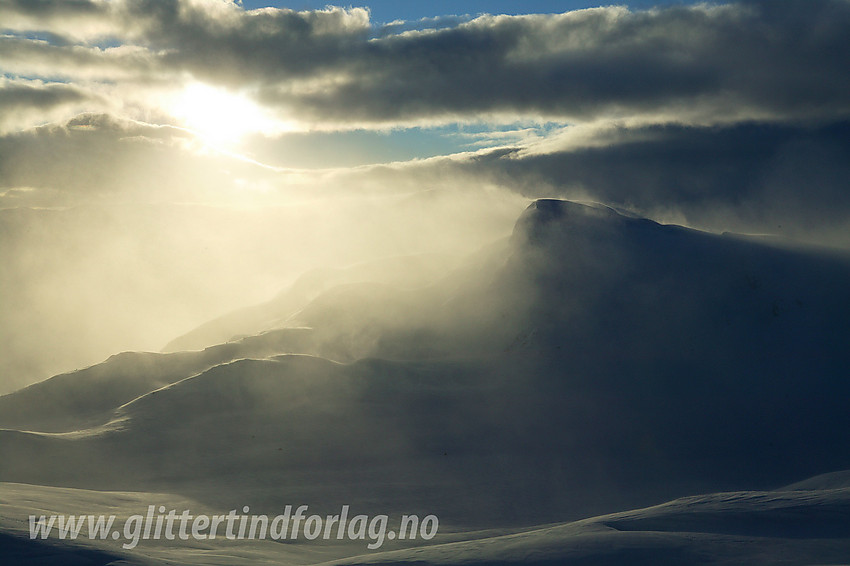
591	362
89	397
406	271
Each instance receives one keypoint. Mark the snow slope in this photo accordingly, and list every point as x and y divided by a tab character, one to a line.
717	529
758	528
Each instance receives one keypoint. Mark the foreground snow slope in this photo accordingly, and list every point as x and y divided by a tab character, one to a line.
757	528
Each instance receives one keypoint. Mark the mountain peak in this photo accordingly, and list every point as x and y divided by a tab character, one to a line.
544	216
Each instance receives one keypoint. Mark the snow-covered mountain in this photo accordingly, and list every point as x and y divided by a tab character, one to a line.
592	362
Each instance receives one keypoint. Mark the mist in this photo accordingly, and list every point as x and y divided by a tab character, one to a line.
87	281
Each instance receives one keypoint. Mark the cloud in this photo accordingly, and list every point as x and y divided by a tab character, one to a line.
214	38
25	102
782	179
95	156
57	60
714	115
423	24
699	64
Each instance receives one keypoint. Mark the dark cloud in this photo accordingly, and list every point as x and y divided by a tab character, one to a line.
55	58
774	59
17	96
25	102
56	8
753	177
696	64
216	40
700	64
234	47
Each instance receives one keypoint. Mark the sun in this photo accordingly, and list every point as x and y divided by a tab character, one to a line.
218	116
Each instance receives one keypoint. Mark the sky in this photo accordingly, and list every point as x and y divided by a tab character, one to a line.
698	113
314	145
138	138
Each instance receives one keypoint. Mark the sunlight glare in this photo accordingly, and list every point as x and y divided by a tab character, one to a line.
218	116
